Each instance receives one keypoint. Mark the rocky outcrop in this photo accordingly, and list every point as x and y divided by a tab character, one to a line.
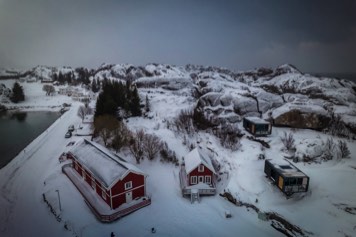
297	119
285	94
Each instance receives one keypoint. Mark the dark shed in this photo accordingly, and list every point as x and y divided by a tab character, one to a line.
257	126
288	178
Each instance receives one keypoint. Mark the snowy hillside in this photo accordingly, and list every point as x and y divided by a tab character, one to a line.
327	209
284	95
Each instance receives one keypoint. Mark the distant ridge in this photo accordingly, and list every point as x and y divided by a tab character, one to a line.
348	76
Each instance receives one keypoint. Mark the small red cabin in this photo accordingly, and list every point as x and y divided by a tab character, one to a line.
113	179
197	174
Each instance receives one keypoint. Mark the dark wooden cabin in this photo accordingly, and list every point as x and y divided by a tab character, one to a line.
288	178
257	126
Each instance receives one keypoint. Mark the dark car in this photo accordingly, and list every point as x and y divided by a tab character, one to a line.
68	134
71	128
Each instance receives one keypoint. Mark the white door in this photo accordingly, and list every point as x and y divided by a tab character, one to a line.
128	197
201	179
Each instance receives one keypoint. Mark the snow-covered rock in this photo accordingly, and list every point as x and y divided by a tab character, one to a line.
226	95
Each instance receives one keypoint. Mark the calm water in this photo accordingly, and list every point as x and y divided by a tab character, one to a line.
17	130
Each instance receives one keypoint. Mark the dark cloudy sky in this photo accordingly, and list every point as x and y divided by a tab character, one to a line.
316	36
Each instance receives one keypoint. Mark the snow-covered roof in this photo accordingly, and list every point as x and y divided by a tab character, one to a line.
194	158
257	120
287	169
107	167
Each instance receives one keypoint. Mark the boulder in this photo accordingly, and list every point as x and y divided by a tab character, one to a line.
298	119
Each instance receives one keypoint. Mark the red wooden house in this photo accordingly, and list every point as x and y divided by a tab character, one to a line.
115	181
197	175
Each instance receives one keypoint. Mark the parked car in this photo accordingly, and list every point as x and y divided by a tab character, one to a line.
71	128
68	134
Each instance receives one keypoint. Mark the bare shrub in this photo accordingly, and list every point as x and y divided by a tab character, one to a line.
344	151
88	109
200	121
337	126
288	141
229	136
49	89
184	122
152	145
329	149
136	145
104	126
81	112
167	155
121	137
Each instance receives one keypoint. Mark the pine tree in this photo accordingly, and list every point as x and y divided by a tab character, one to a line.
94	86
148	106
69	77
86	77
98	84
105	105
135	107
54	77
110	106
100	104
17	93
61	78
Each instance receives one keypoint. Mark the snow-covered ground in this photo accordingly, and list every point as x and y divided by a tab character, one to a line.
35	97
37	170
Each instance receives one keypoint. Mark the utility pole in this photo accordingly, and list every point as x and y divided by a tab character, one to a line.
59	200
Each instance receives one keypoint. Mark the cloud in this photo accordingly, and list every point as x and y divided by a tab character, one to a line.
234	34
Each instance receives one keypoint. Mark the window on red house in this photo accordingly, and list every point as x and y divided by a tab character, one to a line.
208	179
193	180
128	185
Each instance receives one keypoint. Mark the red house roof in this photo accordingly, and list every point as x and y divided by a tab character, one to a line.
106	166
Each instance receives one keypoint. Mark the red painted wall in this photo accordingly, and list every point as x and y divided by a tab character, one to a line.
79	168
137	180
195	172
98	186
118	188
121	199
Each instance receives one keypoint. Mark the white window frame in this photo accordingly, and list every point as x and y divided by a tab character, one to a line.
93	184
201	168
128	185
208	179
103	194
193	179
200	179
